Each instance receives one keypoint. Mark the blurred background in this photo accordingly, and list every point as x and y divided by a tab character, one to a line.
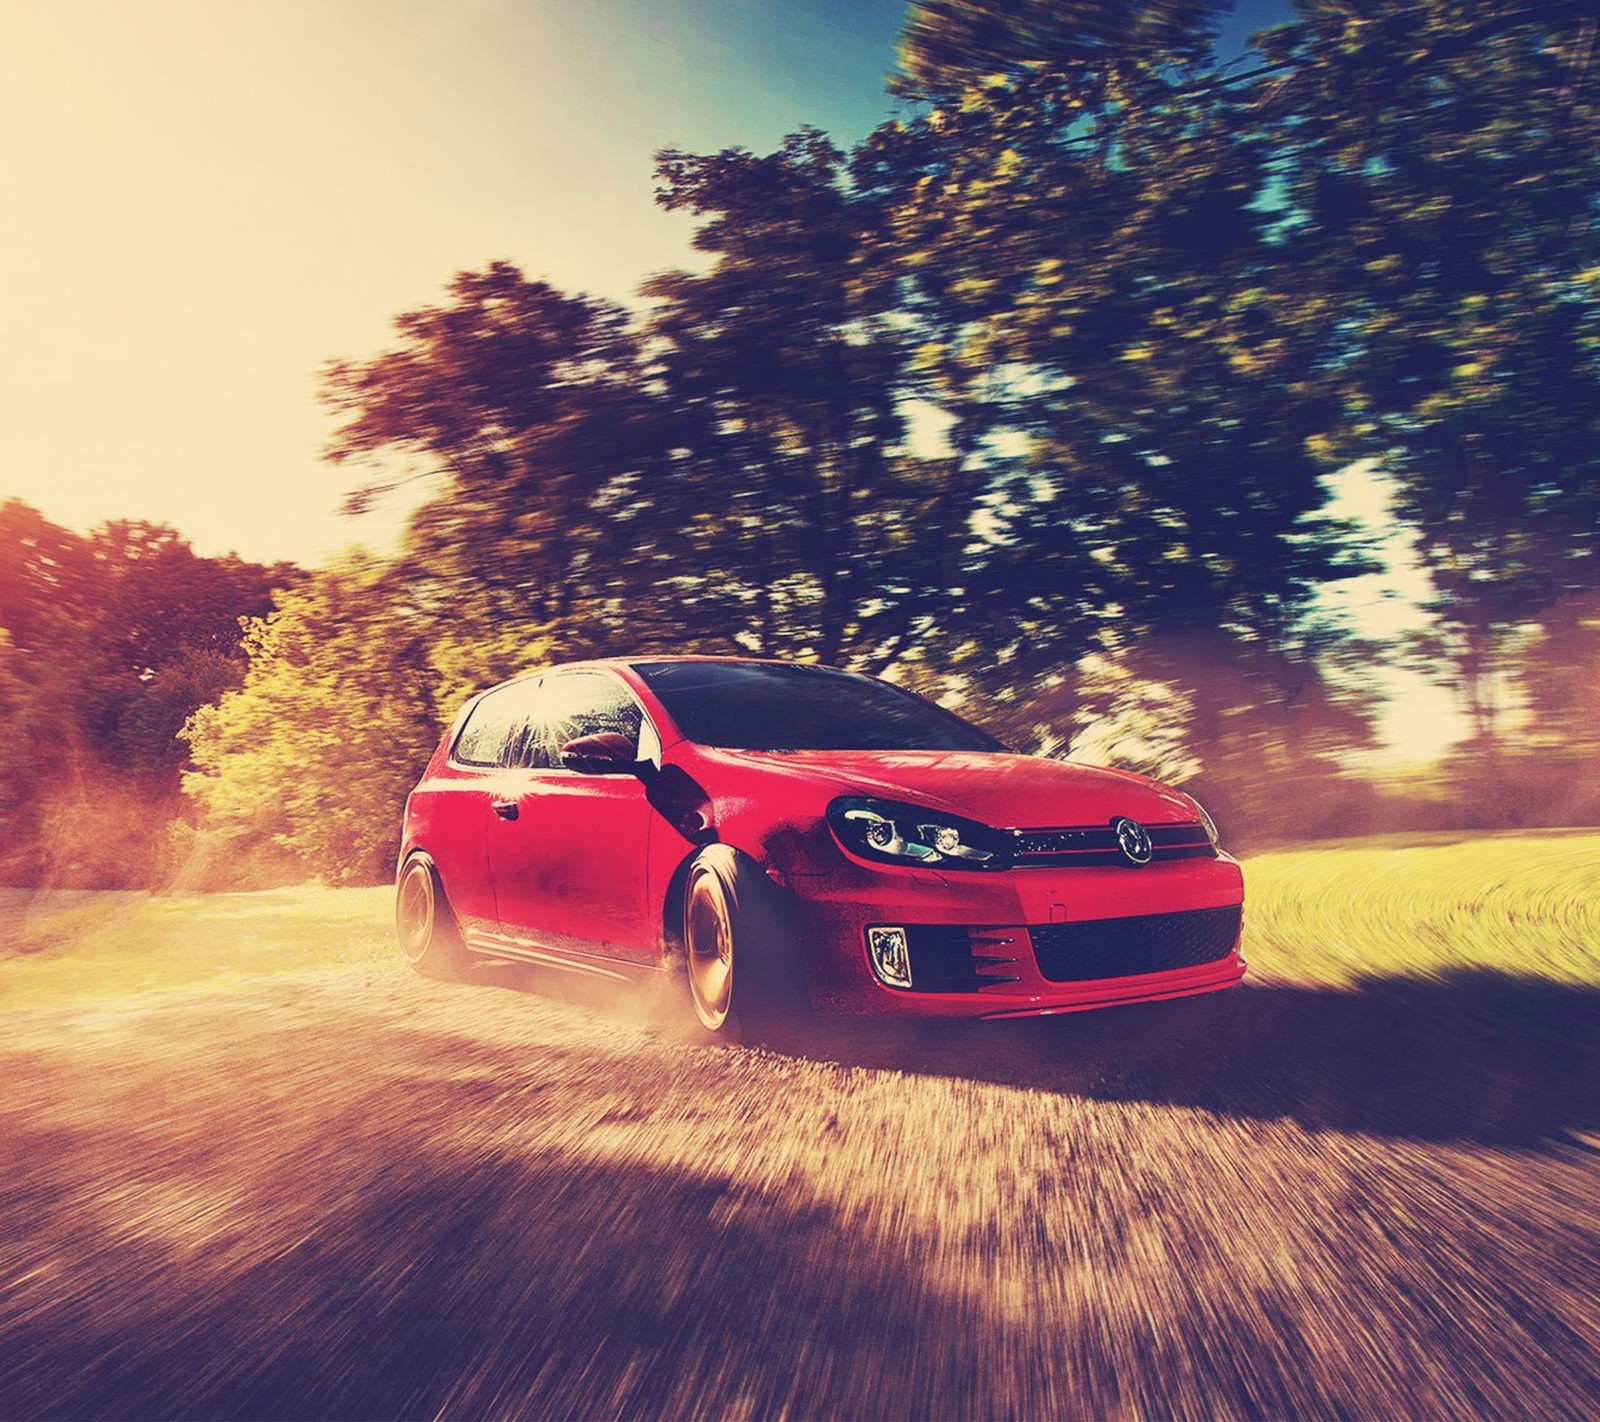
1205	389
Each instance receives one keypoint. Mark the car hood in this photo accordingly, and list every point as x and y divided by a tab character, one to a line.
1006	791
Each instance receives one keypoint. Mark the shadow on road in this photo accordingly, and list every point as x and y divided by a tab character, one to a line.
1474	1055
1478	1055
406	1218
468	1284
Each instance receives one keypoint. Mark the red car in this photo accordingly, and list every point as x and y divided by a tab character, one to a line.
790	835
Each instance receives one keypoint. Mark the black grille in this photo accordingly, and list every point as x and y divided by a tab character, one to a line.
960	959
1097	844
1124	947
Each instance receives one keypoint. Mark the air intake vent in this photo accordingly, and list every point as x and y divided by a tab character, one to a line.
1126	947
957	958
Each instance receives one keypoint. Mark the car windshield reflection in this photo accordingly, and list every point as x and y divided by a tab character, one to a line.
787	707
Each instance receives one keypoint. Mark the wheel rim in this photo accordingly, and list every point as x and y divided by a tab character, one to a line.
710	955
414	912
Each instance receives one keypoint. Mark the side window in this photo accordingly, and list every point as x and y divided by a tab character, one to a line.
524	747
498	723
583	704
484	736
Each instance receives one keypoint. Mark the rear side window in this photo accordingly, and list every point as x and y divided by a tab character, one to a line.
497	719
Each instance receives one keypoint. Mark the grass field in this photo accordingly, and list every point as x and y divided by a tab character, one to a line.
1416	906
1525	903
73	945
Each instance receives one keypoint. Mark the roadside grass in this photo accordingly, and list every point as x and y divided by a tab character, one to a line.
61	946
1524	904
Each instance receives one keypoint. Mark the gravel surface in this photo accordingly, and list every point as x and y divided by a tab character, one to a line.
364	1194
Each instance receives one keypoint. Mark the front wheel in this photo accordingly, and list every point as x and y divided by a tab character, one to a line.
429	939
741	957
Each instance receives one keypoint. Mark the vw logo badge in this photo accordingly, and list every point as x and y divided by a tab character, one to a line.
1131	840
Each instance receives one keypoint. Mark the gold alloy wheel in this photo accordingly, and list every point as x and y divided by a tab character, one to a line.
709	950
414	911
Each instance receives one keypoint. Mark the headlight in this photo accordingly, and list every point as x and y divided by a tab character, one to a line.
1210	824
892	833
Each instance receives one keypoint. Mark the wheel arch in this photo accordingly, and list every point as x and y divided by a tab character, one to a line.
672	902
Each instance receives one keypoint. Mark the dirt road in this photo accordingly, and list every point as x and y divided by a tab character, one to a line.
364	1194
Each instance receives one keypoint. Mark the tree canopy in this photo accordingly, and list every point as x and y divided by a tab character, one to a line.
109	642
1438	166
1031	397
350	683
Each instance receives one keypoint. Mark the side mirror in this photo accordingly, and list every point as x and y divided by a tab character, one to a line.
607	753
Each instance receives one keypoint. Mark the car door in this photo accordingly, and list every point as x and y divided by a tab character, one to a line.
567	847
454	805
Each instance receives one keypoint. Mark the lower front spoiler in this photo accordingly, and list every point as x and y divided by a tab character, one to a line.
1045	1000
1119	992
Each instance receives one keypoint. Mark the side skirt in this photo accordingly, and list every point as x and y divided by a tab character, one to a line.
502	948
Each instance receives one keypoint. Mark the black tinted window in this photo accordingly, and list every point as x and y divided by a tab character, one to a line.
760	706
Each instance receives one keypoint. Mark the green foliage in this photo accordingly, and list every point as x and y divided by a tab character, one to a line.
730	473
1263	739
950	44
108	643
18	735
351	682
807	526
752	467
1427	906
531	411
122	633
1032	396
1438	173
1380	242
1560	679
1078	223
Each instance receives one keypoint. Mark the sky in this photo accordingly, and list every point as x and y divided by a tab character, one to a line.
209	199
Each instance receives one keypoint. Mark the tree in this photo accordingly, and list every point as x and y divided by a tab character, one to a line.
165	639
949	45
806	525
350	684
1549	770
108	643
1079	226
1438	171
729	472
532	411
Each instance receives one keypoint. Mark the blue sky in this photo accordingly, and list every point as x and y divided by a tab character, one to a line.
211	199
1247	17
208	199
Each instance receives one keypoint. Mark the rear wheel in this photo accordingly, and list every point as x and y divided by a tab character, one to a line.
429	939
741	957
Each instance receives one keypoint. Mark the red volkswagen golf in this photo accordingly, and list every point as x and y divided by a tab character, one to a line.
788	836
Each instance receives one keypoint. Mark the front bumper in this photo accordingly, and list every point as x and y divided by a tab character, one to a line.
1000	912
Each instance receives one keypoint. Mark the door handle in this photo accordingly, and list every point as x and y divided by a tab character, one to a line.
506	809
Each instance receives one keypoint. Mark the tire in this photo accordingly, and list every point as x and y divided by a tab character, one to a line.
426	929
740	956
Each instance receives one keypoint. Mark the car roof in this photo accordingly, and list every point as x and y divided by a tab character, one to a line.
634	664
618	663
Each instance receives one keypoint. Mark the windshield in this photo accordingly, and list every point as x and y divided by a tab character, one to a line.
786	707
